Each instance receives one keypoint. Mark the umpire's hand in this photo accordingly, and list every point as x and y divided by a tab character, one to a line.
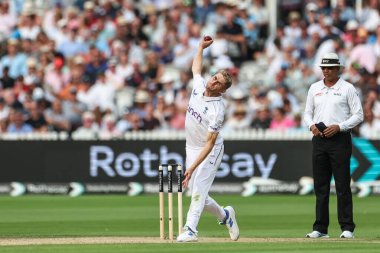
331	131
315	131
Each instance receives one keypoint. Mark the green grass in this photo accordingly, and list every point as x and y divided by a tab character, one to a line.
258	216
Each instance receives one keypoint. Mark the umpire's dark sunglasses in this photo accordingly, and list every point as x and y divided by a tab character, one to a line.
329	68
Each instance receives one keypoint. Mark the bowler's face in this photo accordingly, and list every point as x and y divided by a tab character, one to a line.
216	83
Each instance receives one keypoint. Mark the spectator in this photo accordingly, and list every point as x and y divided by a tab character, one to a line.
108	128
36	118
89	128
371	125
238	121
15	60
57	75
101	95
262	119
280	121
150	122
17	123
233	33
4	110
6	81
56	119
72	108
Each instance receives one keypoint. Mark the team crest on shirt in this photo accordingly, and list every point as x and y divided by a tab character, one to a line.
205	110
195	93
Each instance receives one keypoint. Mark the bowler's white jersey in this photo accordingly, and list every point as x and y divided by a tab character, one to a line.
204	114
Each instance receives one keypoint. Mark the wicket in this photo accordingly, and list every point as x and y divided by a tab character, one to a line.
170	199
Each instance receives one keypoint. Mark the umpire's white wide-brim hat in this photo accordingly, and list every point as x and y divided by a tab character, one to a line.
330	60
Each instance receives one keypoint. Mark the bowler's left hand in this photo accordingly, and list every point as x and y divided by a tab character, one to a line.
330	131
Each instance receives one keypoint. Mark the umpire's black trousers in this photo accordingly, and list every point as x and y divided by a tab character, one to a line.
331	156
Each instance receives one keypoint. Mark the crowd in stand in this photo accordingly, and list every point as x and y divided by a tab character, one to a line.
105	67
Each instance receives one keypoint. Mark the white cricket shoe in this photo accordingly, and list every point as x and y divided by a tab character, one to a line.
231	223
347	234
317	234
187	235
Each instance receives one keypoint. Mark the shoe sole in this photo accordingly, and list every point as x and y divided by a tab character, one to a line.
323	236
237	238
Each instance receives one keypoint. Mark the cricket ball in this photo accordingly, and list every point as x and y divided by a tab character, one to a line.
207	38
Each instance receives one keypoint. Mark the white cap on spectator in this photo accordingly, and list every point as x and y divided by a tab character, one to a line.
112	62
44	49
352	25
29	80
312	7
12	41
330	60
327	21
103	2
117	44
167	78
238	94
38	93
232	2
62	23
31	62
243	6
142	97
109	118
121	20
88	115
223	62
78	59
89	5
28	8
294	15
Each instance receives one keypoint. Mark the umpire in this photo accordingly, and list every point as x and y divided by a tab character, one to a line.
333	108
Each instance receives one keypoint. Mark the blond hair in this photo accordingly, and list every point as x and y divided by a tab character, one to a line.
227	78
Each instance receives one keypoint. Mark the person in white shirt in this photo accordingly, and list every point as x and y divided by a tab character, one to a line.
204	147
333	108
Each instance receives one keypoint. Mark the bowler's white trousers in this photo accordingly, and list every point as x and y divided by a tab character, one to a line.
200	184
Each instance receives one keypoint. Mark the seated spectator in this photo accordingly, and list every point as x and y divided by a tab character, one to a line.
175	117
89	128
4	109
36	118
238	121
6	81
56	119
140	101
136	122
101	95
150	122
371	125
17	123
125	123
14	59
262	118
108	128
72	108
280	121
233	33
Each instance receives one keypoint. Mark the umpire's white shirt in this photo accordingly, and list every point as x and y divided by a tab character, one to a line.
204	114
336	105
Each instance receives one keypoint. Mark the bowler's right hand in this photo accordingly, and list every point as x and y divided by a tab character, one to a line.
205	43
